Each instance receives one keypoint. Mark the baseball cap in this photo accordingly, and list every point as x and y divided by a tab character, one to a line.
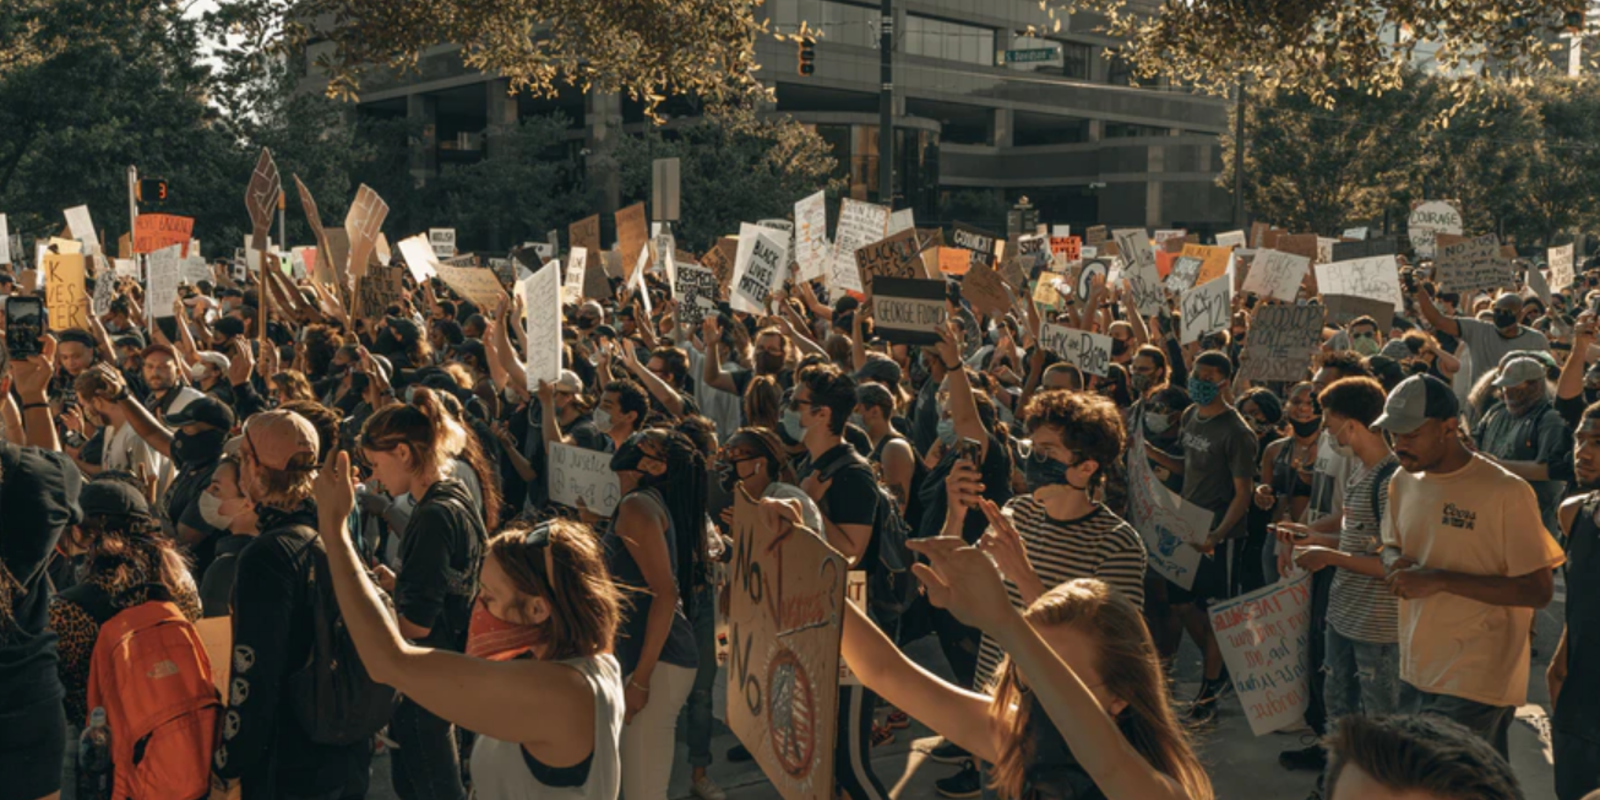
1416	400
112	497
569	381
216	359
205	409
158	347
278	436
1520	370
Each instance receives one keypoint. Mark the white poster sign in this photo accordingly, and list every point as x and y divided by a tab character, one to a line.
760	273
1090	352
166	268
1206	308
443	242
542	300
1264	637
1230	239
811	249
1560	259
5	241
1375	278
577	264
860	224
79	224
1277	275
577	473
420	257
1428	220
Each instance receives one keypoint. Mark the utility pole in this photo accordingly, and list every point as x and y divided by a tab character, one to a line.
133	202
1238	157
886	105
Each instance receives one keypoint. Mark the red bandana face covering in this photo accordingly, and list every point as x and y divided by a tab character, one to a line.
495	639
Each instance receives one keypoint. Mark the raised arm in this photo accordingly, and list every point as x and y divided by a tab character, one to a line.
652	382
963	408
711	367
1433	315
1570	384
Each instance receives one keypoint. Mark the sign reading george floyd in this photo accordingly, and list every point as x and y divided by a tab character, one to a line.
908	310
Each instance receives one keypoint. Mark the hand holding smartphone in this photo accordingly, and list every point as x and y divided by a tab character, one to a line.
26	320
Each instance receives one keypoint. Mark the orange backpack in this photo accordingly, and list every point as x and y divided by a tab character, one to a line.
151	674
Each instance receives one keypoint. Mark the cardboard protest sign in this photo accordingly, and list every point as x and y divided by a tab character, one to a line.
784	622
577	474
1206	308
362	223
1047	292
1367	248
261	197
151	232
1429	219
1033	253
1169	524
1376	278
761	274
1473	265
1325	250
1096	235
1265	637
481	286
1090	352
327	271
443	242
954	260
541	300
572	283
1342	309
105	290
909	310
63	275
1213	261
419	257
894	257
1258	233
1300	244
1276	275
633	234
1185	271
811	249
585	233
860	224
697	294
1536	282
986	290
1281	342
1230	239
377	290
161	288
979	241
1559	258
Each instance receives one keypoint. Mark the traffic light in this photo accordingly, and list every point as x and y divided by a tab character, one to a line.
1573	20
152	190
808	55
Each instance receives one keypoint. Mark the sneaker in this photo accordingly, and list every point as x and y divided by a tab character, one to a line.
707	789
949	753
897	720
966	783
738	754
881	735
1307	759
1204	706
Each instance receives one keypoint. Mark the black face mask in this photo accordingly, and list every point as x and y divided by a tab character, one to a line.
1304	429
197	448
1504	319
1118	347
1591	395
768	364
587	323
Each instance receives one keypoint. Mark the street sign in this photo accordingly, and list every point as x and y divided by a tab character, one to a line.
1035	55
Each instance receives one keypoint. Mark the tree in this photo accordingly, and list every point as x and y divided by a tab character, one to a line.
735	166
530	182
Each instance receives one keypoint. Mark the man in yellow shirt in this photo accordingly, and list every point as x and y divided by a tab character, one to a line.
1467	554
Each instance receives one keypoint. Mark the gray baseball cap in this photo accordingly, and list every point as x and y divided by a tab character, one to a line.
1416	400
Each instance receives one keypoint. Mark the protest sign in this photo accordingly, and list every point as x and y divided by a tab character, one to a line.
1376	278
1134	245
482	287
419	257
326	270
762	272
362	223
1169	524
979	241
1429	219
64	290
1090	352
81	226
1185	271
664	249
1096	235
505	269
1276	275
585	233
1325	250
1358	234
194	270
261	197
1559	258
1300	244
1281	342
577	473
1149	298
1084	282
105	289
985	290
1230	239
1213	261
904	219
811	250
1047	292
5	241
1206	308
786	600
1034	253
377	290
573	283
954	260
151	232
860	224
541	301
1342	309
633	234
893	257
1264	637
1473	265
909	310
697	294
443	242
1349	251
1164	235
161	288
126	268
1536	282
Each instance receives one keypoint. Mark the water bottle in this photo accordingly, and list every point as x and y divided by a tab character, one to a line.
94	759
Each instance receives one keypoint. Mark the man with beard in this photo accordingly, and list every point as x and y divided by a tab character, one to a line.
1466	553
1575	717
1522	435
165	393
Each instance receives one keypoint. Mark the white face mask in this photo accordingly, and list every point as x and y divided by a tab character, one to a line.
197	373
211	512
602	420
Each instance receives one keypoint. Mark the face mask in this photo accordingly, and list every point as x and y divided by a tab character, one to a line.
493	638
197	448
197	373
858	421
1041	472
947	432
1202	392
211	512
1504	319
1365	345
768	364
1118	347
1304	429
1140	382
1156	422
602	420
792	426
1344	450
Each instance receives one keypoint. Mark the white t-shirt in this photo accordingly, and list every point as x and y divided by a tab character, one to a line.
499	771
125	451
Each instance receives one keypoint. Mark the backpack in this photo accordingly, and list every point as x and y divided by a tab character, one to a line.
150	672
1378	486
333	698
891	587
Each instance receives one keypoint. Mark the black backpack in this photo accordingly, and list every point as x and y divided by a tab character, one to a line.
891	587
1378	487
333	698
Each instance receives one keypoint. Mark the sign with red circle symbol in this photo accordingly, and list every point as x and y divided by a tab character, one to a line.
791	713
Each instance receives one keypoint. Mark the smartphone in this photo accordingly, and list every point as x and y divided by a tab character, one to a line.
26	319
969	449
1296	535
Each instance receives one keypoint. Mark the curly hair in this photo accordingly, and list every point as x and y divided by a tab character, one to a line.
1089	425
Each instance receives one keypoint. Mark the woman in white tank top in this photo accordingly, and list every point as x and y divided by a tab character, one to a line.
538	683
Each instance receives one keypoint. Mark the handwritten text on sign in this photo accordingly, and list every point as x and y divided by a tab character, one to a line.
786	610
1427	221
1560	267
1376	278
577	473
1474	265
64	290
1277	275
760	273
811	251
165	266
1281	342
860	224
1090	352
1169	524
1205	309
1264	636
542	300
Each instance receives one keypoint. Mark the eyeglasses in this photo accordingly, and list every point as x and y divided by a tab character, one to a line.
796	403
540	537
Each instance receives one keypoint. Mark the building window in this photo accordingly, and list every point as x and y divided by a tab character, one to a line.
1128	130
838	23
951	41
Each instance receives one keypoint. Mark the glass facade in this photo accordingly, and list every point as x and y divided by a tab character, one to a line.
951	41
916	173
839	23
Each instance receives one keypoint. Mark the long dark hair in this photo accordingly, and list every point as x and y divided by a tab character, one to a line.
683	491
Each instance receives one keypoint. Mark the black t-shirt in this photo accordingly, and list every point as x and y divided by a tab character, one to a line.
440	554
996	476
1578	712
852	496
38	500
583	433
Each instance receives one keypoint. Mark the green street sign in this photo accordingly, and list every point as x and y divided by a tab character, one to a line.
1030	56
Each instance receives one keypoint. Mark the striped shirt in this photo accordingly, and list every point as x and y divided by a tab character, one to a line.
1360	607
1098	545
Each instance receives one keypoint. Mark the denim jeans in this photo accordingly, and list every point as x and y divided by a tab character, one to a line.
1491	723
426	764
1362	677
696	721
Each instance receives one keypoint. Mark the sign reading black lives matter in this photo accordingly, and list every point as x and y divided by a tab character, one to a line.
908	310
1281	342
